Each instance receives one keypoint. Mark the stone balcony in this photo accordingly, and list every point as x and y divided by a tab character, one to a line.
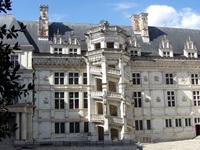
97	118
115	120
111	95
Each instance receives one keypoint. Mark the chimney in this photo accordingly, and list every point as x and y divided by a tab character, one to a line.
140	25
43	23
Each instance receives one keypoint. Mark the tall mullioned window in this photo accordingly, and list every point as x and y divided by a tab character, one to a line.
136	78
138	125
84	78
187	122
178	122
57	50
73	78
59	127
195	79
168	123
74	127
85	100
59	78
14	60
169	78
196	98
59	100
171	98
137	96
73	100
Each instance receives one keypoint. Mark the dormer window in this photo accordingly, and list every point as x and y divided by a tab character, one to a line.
57	50
165	48
135	53
72	51
190	50
110	44
97	46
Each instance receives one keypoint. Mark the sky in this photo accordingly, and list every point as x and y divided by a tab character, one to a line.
163	13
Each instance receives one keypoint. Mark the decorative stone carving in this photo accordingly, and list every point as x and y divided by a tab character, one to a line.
46	101
158	99
156	78
147	100
184	99
145	78
46	78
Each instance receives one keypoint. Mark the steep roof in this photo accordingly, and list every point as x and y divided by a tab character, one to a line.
176	36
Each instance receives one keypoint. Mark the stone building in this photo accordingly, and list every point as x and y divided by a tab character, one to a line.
97	82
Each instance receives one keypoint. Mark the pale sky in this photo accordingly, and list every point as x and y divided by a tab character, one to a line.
164	13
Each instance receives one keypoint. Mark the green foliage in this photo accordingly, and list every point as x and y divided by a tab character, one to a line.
10	88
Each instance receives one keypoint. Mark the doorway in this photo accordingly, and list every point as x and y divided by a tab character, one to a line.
100	133
197	130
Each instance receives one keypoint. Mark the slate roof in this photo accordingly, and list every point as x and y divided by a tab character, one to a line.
176	36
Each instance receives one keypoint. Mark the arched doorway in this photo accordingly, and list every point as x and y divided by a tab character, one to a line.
114	134
100	133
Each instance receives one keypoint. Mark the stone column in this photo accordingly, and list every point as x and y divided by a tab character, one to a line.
30	128
17	132
23	126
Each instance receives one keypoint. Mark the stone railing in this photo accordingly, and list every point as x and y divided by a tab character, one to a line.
96	93
95	69
114	95
96	117
127	76
129	122
115	120
113	71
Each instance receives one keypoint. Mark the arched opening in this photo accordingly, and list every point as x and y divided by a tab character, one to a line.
100	133
99	109
114	134
113	110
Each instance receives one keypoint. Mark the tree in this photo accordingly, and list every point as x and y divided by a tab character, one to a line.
10	88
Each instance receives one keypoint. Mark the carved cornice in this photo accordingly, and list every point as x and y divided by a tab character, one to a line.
73	61
181	64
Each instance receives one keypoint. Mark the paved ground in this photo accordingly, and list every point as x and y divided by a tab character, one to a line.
176	145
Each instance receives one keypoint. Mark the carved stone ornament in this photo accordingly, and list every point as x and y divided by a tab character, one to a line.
158	99
46	101
145	78
46	78
184	99
156	78
147	100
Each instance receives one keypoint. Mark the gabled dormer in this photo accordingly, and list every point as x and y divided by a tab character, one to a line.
165	48
58	44
74	46
190	50
134	47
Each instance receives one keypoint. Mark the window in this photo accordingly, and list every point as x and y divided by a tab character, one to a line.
134	53
73	100
166	54
59	100
196	120
74	127
59	78
84	78
196	98
57	50
191	55
136	78
187	122
168	123
72	51
97	45
138	125
148	124
110	44
85	103
86	127
170	98
195	79
169	78
73	78
14	61
59	127
178	122
137	96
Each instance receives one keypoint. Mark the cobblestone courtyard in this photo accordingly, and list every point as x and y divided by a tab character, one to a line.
173	145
